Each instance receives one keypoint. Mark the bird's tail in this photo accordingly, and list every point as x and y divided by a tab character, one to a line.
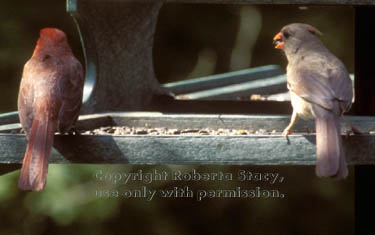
330	155
35	163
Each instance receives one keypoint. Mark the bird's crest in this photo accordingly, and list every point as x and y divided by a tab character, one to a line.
49	37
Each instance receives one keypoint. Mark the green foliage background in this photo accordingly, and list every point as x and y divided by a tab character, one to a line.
191	41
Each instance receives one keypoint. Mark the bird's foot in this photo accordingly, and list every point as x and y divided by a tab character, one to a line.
286	132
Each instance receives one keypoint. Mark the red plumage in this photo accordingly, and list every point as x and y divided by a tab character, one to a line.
49	100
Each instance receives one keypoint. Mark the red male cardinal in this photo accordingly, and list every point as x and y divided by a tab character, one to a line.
320	87
49	100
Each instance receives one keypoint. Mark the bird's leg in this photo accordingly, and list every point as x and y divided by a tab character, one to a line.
354	130
293	120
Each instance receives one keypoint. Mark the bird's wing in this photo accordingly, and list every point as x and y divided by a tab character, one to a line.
72	91
323	85
311	86
26	98
341	85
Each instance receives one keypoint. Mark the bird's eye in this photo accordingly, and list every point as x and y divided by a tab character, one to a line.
286	34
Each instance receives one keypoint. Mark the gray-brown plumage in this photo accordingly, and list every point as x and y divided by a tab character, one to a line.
320	87
49	99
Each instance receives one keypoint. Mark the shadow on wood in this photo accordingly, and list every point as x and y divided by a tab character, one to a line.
7	168
83	149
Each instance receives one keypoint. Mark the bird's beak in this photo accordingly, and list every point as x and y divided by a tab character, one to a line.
278	41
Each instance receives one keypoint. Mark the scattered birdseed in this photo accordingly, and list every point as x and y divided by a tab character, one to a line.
126	130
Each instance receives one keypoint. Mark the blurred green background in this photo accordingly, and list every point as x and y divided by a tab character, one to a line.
69	205
190	41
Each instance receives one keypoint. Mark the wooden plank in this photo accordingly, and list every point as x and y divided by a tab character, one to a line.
215	121
222	150
7	118
199	121
225	79
266	149
235	88
243	91
16	127
85	122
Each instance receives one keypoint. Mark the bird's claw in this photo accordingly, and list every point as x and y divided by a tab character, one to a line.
286	132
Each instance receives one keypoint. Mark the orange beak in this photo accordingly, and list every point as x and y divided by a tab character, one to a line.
278	41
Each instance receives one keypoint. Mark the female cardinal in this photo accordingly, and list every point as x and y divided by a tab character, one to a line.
49	99
320	87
